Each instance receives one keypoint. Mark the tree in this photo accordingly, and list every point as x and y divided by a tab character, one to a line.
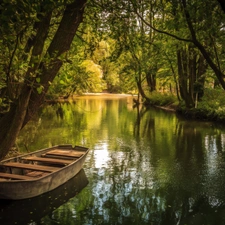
81	74
191	73
197	25
45	51
206	14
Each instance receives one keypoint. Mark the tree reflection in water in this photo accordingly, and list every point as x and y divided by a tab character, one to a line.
155	169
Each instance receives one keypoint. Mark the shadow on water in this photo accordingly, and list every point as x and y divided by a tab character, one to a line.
25	211
187	159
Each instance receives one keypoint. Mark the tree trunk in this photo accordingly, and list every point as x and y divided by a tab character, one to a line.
12	123
200	80
185	78
30	99
151	81
140	89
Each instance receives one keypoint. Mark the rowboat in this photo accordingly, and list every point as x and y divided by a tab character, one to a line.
38	172
32	210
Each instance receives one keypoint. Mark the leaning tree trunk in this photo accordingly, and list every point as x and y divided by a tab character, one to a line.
140	89
30	99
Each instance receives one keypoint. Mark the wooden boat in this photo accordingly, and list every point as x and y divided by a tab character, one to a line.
32	210
39	172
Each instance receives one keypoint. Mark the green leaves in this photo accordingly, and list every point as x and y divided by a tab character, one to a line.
40	89
38	79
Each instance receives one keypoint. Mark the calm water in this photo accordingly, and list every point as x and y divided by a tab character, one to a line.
147	167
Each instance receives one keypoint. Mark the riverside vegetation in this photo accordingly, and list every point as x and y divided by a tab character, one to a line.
210	108
60	48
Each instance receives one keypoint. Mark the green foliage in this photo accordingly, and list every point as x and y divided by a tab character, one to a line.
212	105
80	73
94	75
162	99
119	44
18	34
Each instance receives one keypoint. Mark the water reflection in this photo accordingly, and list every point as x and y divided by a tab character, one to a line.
144	167
33	210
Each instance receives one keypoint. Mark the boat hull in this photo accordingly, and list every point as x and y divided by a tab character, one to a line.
17	189
42	205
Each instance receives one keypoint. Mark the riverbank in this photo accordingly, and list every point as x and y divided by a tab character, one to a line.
194	113
211	107
103	95
91	96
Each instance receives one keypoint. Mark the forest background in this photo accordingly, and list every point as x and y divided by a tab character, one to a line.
169	52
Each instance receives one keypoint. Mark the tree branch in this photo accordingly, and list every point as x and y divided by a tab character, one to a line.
201	48
159	31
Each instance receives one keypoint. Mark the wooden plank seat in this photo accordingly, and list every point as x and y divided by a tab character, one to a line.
37	174
15	176
64	153
30	167
48	160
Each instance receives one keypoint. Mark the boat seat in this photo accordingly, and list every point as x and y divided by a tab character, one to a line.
80	148
48	160
15	176
31	167
64	153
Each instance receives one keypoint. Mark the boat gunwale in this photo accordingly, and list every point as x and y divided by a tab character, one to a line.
86	150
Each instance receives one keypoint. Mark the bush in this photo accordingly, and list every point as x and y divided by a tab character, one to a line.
211	107
162	99
213	104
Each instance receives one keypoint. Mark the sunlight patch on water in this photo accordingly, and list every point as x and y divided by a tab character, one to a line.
101	155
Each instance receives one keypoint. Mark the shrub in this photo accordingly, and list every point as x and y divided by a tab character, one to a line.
212	105
162	99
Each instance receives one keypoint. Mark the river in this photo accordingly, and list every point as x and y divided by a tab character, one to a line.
144	166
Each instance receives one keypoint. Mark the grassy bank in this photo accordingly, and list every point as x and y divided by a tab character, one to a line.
211	107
